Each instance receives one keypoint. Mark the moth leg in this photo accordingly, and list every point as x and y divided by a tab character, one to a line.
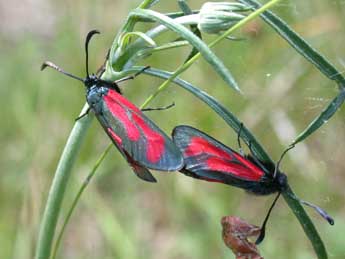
239	139
132	76
159	108
84	114
101	70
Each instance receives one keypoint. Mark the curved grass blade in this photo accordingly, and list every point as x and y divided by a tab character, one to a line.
76	200
325	115
148	3
149	51
166	23
227	116
172	15
166	46
299	44
306	223
194	28
58	187
205	51
128	26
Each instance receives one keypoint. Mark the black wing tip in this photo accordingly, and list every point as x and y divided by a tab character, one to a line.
149	179
143	173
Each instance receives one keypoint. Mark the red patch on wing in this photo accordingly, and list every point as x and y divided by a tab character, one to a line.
120	113
116	96
115	137
155	144
221	160
235	168
254	172
199	145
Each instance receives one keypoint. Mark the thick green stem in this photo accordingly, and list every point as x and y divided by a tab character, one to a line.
305	222
57	190
76	199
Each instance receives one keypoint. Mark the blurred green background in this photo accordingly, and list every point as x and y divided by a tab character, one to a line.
120	216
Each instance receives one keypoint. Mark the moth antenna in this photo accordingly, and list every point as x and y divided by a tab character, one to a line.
159	108
263	227
281	158
88	38
321	212
52	65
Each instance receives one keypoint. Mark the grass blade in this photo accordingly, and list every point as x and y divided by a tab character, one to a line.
299	44
195	41
57	190
325	115
76	200
306	223
194	28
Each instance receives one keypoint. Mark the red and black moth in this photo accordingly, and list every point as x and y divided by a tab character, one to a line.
208	159
139	140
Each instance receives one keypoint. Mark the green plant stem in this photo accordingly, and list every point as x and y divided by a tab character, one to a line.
145	4
305	222
76	199
113	59
57	190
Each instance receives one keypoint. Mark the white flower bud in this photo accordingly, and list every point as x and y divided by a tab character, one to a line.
219	16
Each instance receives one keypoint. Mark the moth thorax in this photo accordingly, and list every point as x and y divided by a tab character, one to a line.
94	95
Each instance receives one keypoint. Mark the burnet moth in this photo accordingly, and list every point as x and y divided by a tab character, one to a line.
138	139
208	159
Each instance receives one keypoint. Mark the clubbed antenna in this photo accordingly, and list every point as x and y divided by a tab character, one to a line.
321	212
52	65
88	38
